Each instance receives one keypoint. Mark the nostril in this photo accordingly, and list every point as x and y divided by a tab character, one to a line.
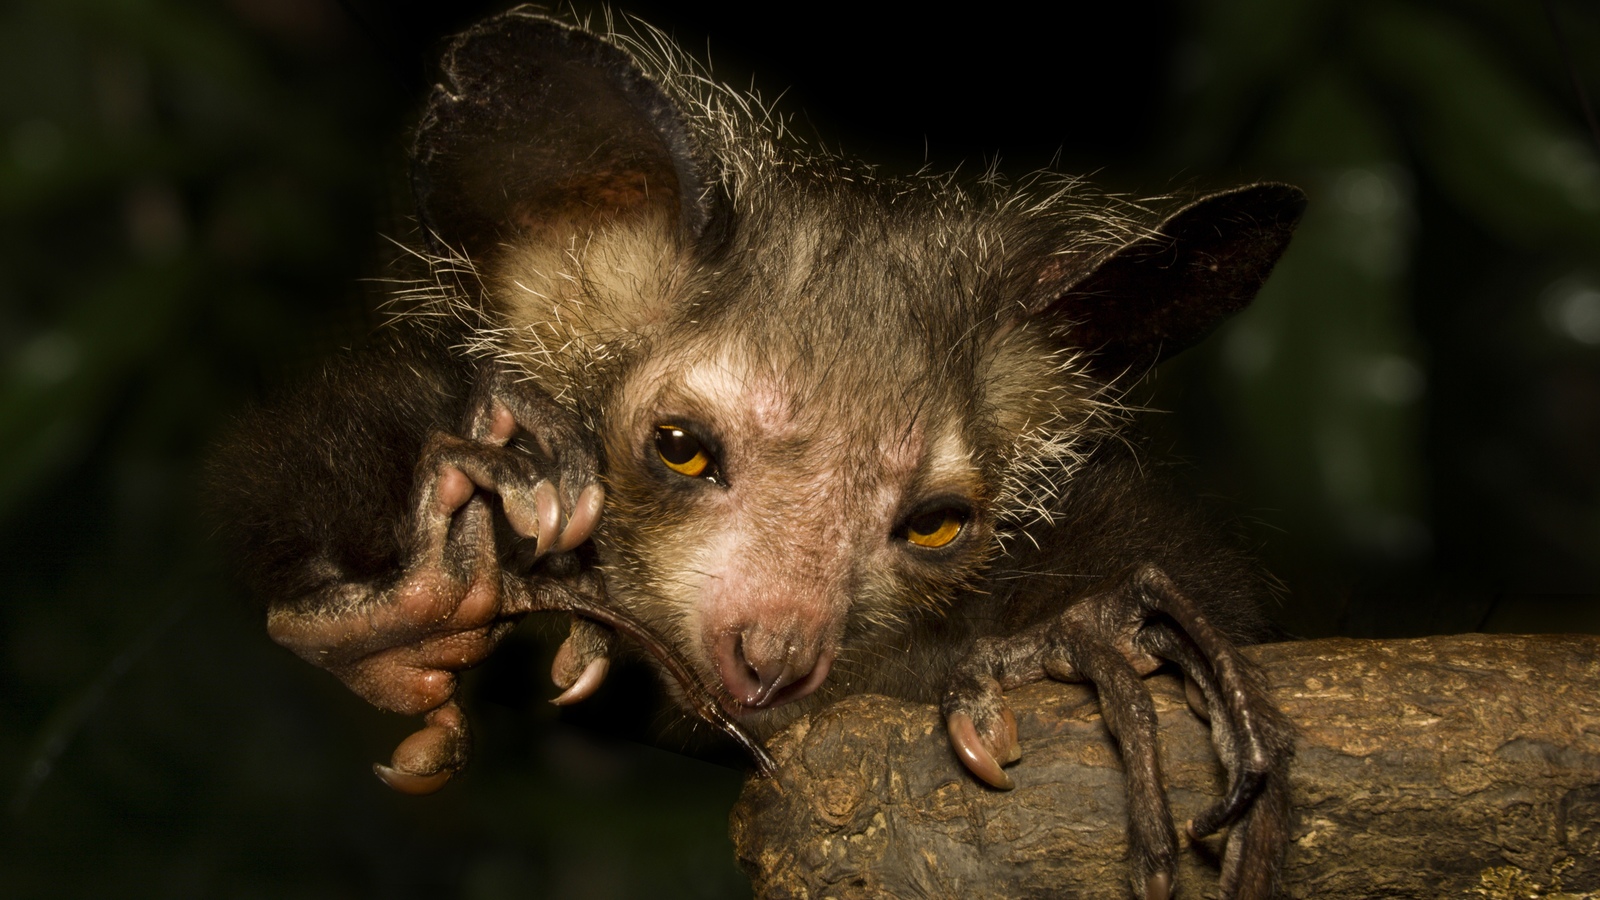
750	671
767	674
741	678
753	684
755	671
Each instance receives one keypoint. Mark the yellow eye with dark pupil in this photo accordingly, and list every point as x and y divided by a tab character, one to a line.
935	529
682	451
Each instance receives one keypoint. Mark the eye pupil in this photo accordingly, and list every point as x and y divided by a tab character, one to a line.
936	528
682	452
676	445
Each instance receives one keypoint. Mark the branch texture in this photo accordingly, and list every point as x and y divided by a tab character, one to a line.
1438	767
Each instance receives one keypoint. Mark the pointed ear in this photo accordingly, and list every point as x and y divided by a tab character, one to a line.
1159	294
539	125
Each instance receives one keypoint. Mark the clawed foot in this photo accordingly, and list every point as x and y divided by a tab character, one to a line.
1111	638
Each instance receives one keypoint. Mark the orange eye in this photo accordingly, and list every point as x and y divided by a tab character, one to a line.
682	452
935	529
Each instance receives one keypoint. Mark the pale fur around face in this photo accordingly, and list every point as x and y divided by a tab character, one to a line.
855	346
573	306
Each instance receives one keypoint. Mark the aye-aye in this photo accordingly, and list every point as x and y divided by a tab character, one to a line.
799	429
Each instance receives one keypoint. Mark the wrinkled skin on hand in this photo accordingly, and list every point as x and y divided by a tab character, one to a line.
400	645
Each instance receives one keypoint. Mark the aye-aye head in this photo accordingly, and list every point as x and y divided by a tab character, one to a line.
821	396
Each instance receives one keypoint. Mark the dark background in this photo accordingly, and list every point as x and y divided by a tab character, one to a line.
191	195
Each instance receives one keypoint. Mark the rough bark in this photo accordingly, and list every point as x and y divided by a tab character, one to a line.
1439	767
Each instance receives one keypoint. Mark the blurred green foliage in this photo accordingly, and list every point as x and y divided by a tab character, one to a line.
191	193
1415	397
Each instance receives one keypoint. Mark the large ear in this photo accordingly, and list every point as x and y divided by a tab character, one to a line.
1165	291
540	125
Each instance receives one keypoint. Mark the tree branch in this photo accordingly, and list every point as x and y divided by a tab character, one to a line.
1447	766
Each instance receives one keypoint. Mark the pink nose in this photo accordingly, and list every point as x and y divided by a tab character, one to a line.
760	668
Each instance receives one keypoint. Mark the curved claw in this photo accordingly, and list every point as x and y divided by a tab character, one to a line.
974	754
1158	886
547	506
582	661
590	604
587	683
585	515
407	783
1228	810
1012	751
426	759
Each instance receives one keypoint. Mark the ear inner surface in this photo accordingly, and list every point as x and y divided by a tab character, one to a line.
1163	293
540	126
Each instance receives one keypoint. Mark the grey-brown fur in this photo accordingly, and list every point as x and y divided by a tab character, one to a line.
616	246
